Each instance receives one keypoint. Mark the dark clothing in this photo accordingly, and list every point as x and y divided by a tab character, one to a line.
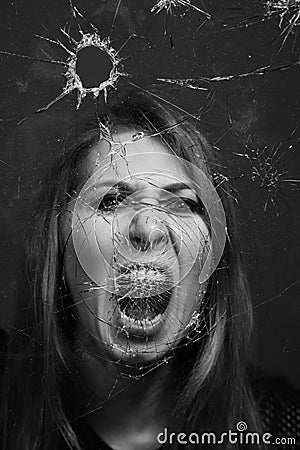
278	402
279	405
280	410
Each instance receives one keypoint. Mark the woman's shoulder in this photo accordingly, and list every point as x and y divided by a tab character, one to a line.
279	406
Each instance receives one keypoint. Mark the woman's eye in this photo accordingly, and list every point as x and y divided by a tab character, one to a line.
110	202
185	205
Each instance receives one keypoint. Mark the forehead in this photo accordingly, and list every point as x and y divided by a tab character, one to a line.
124	157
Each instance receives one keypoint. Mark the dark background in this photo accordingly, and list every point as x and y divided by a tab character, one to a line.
248	64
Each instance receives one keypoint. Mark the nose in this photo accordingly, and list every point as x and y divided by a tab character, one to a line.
147	230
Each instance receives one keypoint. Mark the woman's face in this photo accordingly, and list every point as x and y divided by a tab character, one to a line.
138	247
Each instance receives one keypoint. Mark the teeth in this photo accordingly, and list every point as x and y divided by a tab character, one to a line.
140	322
142	280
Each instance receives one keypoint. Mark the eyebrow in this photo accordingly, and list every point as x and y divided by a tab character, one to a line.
128	187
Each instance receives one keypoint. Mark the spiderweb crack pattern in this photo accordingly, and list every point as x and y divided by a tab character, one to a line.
171	5
73	80
289	17
268	170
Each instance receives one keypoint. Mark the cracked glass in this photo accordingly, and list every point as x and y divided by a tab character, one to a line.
229	68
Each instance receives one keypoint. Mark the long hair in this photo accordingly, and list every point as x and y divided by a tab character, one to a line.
214	393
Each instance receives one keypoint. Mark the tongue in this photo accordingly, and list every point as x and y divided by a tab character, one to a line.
146	307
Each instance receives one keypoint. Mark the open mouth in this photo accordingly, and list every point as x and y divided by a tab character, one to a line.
146	308
144	314
143	293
